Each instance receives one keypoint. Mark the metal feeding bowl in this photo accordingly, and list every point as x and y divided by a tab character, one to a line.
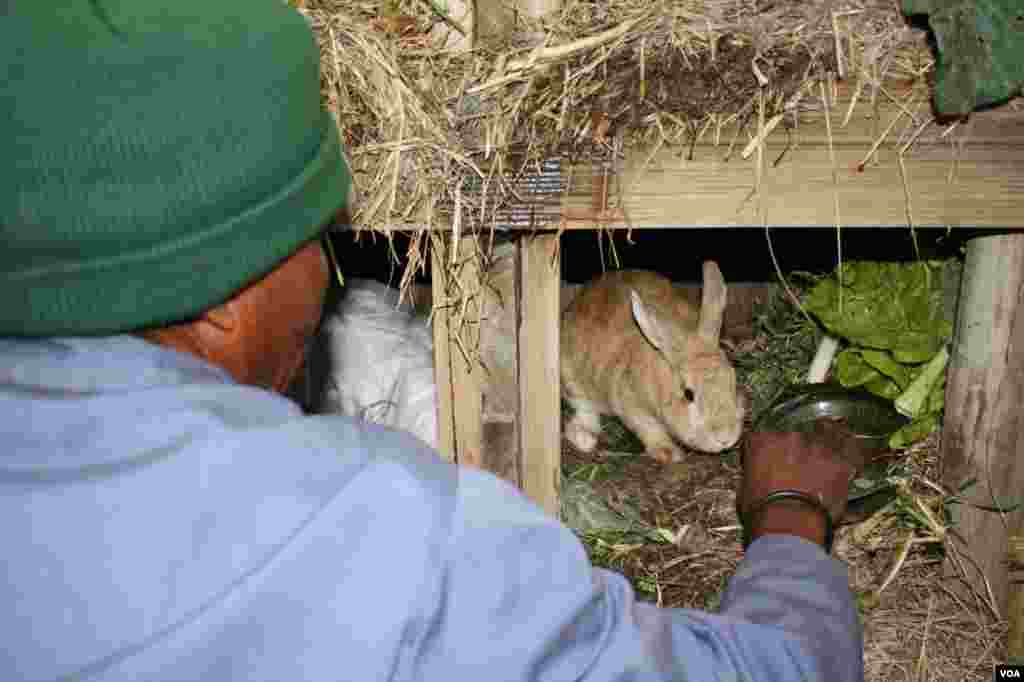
865	415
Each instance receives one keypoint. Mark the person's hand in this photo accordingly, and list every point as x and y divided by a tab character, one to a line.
820	464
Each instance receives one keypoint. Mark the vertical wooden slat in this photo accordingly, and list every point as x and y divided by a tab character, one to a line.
538	299
538	350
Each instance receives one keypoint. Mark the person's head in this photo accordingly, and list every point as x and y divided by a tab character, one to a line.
168	170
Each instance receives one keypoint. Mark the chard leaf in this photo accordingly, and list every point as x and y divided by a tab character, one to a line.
852	370
913	402
887	365
917	430
898	307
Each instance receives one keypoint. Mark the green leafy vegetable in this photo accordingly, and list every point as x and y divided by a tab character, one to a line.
887	365
852	370
917	430
887	306
914	400
896	320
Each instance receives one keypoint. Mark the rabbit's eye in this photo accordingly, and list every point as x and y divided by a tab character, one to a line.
688	394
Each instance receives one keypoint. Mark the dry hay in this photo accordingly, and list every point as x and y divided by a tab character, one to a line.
441	137
919	624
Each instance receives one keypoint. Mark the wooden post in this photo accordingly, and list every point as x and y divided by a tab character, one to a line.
982	433
539	415
1015	634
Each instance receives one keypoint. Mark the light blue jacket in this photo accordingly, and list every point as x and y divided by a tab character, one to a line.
161	522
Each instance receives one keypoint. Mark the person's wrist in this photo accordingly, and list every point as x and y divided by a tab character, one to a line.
790	517
801	515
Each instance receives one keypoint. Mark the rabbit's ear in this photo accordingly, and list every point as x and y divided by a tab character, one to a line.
712	302
651	327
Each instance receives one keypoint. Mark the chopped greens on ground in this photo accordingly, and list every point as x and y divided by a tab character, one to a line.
786	341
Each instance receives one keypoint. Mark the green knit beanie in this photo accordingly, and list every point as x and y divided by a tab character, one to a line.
155	157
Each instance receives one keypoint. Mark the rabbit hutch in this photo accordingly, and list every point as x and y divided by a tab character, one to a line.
489	138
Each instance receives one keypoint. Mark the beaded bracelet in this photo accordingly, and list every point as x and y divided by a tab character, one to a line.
777	496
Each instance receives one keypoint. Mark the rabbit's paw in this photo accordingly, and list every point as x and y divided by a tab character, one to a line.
581	437
666	454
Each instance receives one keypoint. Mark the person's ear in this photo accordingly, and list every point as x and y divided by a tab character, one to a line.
225	317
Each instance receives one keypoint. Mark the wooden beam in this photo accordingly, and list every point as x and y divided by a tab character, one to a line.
983	429
972	176
540	417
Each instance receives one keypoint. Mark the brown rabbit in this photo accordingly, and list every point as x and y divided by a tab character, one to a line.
634	346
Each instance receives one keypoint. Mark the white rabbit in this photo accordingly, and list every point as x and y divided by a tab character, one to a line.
633	345
381	361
